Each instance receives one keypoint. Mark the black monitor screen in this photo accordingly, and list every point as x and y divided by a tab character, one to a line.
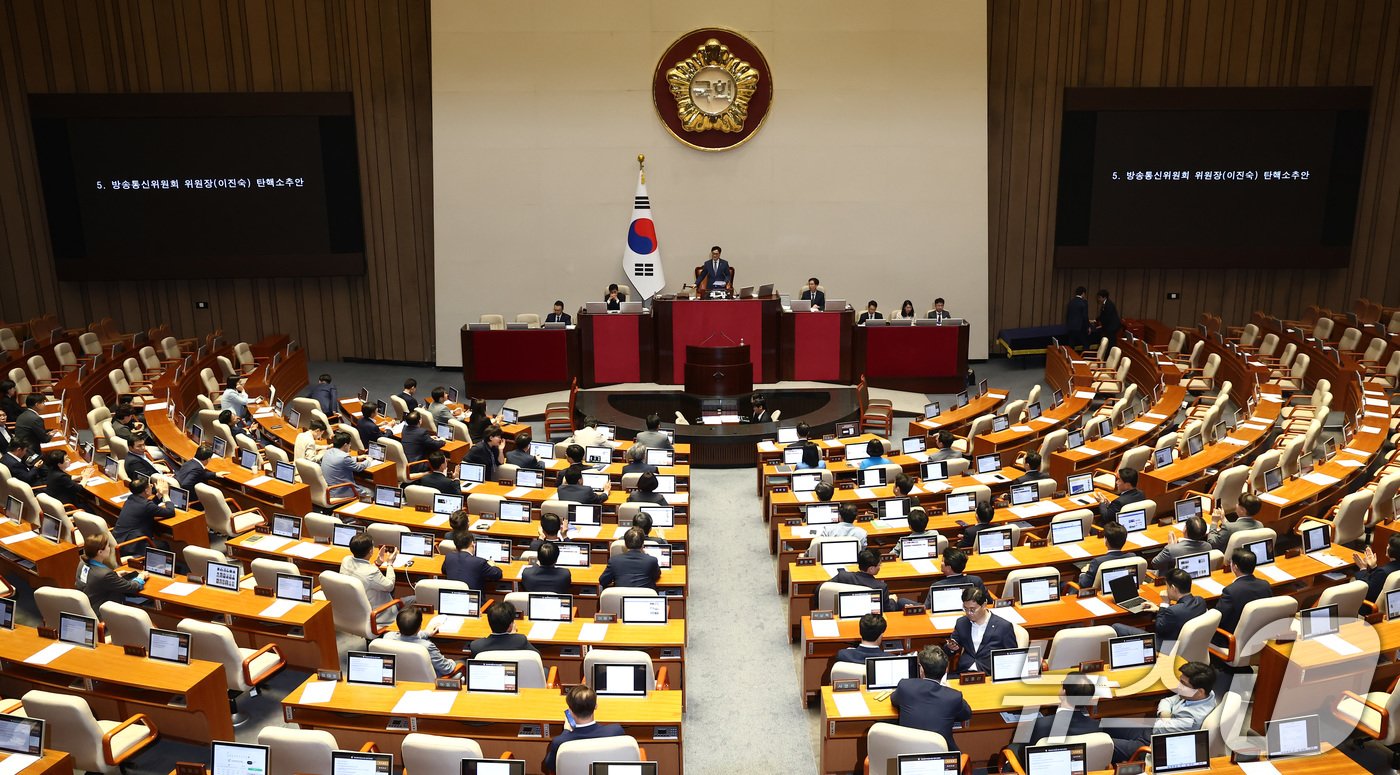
146	185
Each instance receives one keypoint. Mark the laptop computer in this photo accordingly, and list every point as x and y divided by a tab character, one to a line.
1124	589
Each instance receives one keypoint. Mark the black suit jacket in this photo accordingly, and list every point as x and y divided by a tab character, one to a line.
11	408
712	275
937	314
482	452
369	432
579	493
860	578
20	470
417	443
1064	722
1375	578
440	482
858	654
1030	476
106	585
538	578
559	317
818	299
410	400
60	486
931	706
470	570
999	635
521	458
864	316
1087	577
29	425
192	473
1109	322
506	641
1077	318
1170	619
140	466
138	518
632	568
639	468
1240	592
1109	511
969	535
654	498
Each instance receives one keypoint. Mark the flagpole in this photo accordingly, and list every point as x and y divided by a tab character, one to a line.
642	167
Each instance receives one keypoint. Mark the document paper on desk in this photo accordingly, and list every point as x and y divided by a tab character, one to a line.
680	498
585	531
270	543
16	762
317	693
1005	559
17	537
992	478
1039	508
767	446
593	632
425	703
826	628
1338	644
1259	768
1209	586
850	704
542	630
865	493
258	481
1317	477
1074	550
1269	497
1275	572
923	567
308	551
1139	425
179	589
49	653
944	622
1141	538
355	508
1010	614
436	520
1096	606
278	609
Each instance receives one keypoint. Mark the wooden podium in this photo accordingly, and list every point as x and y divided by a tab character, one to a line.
718	371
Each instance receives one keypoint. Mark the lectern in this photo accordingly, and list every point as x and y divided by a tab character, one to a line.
718	371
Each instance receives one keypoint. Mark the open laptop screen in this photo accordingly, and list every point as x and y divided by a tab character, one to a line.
1181	751
227	758
1057	759
1297	736
357	763
887	672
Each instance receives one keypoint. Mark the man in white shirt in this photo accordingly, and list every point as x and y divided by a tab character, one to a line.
590	436
308	444
377	574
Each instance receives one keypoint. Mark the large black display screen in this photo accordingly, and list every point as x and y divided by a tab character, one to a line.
200	185
1209	177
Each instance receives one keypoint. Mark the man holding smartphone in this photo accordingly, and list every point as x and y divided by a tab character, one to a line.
579	723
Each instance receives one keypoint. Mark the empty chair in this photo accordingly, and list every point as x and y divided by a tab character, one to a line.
52	601
90	344
385	534
1348	518
244	669
885	742
1112	383
265	571
437	753
1021	575
497	322
654	678
1098	749
846	671
1079	644
222	519
426	591
126	625
319	525
1241	537
1138	564
415	495
1347	597
1291	381
197	559
95	745
294	751
610	600
530	319
576	757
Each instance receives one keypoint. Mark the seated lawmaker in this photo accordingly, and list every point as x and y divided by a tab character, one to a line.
906	310
1245	589
583	703
58	484
575	491
614	297
1115	537
633	567
1247	507
943	447
367	427
520	457
437	477
1194	543
410	624
1375	576
552	529
811	458
874	454
846	526
1033	472
985	512
872	312
1125	484
407	395
814	296
1070	717
954	563
545	575
652	437
637	461
979	632
646	491
758	410
868	560
1182	711
146	504
558	315
500	617
918	528
938	313
489	452
101	582
463	565
196	469
927	702
872	629
1180	607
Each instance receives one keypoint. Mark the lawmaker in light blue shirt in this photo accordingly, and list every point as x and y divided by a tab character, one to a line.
875	454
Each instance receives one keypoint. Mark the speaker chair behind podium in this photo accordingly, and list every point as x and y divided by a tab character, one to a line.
703	285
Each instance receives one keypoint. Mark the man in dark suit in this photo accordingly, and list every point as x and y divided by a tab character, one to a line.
582	702
1108	323
464	566
1033	472
9	399
643	523
437	477
1077	319
574	491
58	484
410	387
938	312
29	424
637	461
1070	717
418	442
490	452
196	469
813	295
138	464
985	511
954	562
1182	607
634	567
1245	589
501	617
868	560
520	457
1246	508
546	576
1125	484
550	527
98	578
872	629
1375	576
5	436
714	273
326	394
146	504
872	312
1194	543
559	315
14	460
646	492
366	426
926	702
1115	536
979	632
758	410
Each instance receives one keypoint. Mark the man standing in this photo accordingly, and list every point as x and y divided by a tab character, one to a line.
926	703
1077	319
1108	323
30	424
714	274
326	394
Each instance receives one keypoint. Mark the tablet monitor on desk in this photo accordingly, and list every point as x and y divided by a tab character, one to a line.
1033	411
392	497
1181	751
220	447
931	410
223	575
856	452
960	400
514	511
21	735
917	548
357	763
981	386
659	457
375	450
892	508
1000	423
1037	590
791	455
1195	443
1273	478
839	552
995	540
939	763
1070	531
933	471
492	549
248	459
661	516
1263	550
1080	484
947	599
665	483
873	476
169	646
988	464
238	759
1196	565
1161	458
639	609
14	509
1131	651
509	416
416	544
381	408
294	418
551	608
494	766
1317	622
491	676
341	534
662	553
471	473
619	680
1297	736
78	630
363	395
961	502
285	473
912	445
197	433
623	768
1186	508
858	603
598	482
160	562
572	554
1392	604
293	587
597	455
179	498
1075	439
1316	538
584	514
50	527
286	526
1134	520
887	672
1015	664
370	668
820	514
459	602
787	434
529	477
542	450
1022	494
447	504
7	613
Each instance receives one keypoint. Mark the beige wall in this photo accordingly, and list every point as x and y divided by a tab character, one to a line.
871	170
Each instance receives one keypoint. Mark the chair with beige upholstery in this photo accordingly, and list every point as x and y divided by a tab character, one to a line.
1260	621
245	669
220	516
293	751
95	745
437	753
576	757
1078	644
127	625
497	322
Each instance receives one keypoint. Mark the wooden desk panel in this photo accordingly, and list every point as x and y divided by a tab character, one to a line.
38	559
681	322
493	368
52	763
922	359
